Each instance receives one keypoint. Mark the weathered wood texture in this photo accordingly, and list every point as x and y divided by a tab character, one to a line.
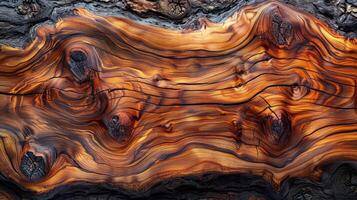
271	92
20	18
340	183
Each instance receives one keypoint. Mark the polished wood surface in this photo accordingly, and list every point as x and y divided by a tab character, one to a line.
271	91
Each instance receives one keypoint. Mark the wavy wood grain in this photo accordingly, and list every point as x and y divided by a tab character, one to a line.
271	91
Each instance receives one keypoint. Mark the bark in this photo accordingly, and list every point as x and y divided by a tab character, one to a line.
178	100
20	18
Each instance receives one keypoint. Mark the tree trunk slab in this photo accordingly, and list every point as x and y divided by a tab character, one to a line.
259	104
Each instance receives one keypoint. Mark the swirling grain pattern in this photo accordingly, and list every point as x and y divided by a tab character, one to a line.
271	91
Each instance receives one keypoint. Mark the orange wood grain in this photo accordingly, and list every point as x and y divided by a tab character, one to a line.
271	91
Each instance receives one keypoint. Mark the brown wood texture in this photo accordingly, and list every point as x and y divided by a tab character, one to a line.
271	92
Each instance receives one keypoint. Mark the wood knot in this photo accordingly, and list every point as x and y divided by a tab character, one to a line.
82	60
33	167
118	128
175	9
78	64
298	91
277	127
282	31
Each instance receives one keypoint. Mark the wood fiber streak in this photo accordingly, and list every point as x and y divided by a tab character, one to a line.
271	91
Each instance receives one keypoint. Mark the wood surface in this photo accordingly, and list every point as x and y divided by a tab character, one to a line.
271	92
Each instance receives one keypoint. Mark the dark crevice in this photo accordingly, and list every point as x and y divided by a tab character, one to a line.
338	182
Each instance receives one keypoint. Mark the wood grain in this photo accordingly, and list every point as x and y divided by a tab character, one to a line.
271	92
